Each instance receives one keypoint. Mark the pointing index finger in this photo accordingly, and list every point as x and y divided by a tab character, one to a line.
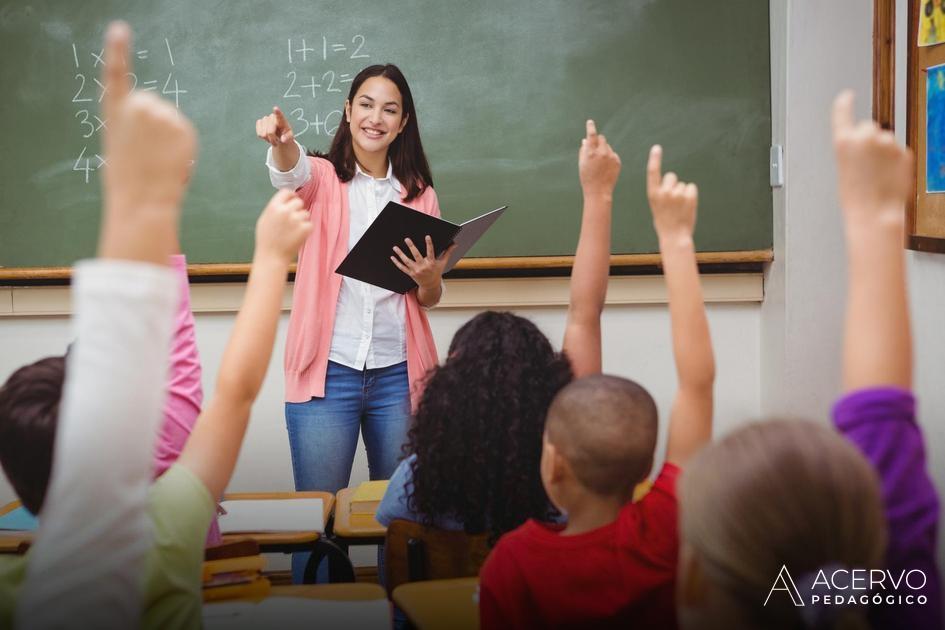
279	116
591	130
117	67
843	112
654	166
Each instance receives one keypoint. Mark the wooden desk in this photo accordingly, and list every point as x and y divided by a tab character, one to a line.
345	533
285	542
354	592
14	541
440	603
340	568
315	606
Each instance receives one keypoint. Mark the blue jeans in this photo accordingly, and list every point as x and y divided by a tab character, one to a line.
323	432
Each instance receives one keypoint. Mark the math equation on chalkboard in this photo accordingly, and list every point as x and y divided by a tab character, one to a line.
317	78
89	91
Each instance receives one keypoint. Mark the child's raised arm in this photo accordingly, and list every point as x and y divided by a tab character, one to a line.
874	178
213	447
878	412
86	565
674	216
599	167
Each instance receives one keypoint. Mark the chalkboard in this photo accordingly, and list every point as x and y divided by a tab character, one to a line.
502	90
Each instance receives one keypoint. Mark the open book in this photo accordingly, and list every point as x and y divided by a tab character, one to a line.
369	259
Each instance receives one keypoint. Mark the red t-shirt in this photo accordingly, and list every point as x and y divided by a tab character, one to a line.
620	575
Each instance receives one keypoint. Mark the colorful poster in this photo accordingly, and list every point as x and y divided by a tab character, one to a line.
931	22
935	129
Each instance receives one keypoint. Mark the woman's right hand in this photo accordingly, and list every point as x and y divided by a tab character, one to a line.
275	129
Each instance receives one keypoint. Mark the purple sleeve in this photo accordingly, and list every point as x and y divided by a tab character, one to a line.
881	422
184	388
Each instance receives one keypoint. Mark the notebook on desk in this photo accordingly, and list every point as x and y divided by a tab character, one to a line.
272	515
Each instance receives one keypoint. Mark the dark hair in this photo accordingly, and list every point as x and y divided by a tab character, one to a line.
29	414
478	428
408	161
605	426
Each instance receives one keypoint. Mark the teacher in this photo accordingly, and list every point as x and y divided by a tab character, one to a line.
355	352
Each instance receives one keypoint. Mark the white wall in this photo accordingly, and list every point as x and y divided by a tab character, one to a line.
818	49
636	345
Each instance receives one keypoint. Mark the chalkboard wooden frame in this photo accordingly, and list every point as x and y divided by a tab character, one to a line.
240	270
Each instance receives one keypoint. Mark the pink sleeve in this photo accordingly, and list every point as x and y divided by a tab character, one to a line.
184	389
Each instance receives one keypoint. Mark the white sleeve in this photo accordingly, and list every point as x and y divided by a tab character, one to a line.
87	564
294	178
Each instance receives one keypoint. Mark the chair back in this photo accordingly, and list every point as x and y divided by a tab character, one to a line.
413	552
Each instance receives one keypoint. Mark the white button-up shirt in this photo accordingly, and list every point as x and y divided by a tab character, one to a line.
370	321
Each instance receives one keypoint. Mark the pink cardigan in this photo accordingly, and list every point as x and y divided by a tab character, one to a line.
317	286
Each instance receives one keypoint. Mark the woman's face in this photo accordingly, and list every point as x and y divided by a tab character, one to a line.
376	115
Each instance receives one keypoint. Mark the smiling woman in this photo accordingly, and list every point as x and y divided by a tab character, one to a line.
355	352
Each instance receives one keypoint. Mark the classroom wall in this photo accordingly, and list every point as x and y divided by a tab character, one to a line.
818	49
637	345
782	356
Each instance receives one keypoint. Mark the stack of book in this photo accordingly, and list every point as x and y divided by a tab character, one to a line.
234	571
364	503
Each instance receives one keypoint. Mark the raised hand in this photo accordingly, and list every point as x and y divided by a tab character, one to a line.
598	164
426	271
149	149
275	129
672	202
282	227
874	173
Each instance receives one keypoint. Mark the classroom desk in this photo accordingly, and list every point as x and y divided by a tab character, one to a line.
440	603
353	592
342	530
340	567
12	541
313	606
284	542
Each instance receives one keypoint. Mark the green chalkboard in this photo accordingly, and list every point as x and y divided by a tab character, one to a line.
502	90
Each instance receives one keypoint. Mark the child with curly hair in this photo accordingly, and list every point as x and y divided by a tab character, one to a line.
475	442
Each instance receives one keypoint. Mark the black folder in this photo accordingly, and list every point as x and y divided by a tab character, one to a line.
369	259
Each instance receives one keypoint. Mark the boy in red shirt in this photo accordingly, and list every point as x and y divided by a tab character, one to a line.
614	563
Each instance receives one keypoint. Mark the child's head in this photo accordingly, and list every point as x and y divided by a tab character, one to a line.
379	117
29	414
773	494
477	430
599	438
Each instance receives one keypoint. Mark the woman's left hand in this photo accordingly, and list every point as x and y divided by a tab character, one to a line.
426	271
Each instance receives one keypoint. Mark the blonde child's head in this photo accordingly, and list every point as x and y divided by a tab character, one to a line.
599	438
772	494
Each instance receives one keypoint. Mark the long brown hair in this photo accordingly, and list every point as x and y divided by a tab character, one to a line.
772	494
408	161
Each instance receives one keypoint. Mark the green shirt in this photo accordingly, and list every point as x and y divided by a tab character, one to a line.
180	508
